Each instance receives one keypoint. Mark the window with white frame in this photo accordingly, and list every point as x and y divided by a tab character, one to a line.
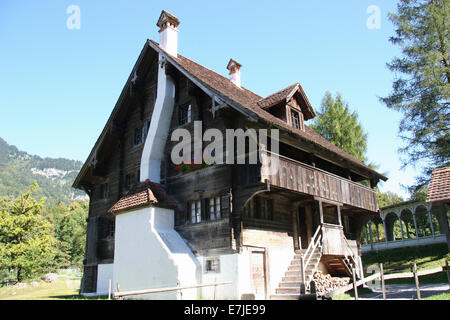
195	211
214	209
212	265
295	118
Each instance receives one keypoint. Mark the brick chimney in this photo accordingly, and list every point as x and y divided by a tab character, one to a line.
168	32
235	72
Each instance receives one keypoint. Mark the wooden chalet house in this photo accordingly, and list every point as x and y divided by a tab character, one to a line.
153	224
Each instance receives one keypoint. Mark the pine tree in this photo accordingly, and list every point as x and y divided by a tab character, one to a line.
422	88
338	125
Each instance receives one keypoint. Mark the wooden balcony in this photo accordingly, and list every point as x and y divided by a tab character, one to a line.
297	176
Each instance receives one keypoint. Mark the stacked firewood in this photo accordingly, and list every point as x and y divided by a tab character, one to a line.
326	283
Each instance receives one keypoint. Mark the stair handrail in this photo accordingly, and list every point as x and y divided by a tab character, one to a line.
350	253
306	256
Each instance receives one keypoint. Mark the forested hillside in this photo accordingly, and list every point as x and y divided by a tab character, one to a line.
18	170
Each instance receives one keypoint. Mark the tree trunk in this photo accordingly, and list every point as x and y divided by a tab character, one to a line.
19	274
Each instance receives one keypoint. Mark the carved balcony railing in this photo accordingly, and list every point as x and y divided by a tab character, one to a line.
309	180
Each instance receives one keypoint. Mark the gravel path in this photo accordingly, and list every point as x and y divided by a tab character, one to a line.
406	291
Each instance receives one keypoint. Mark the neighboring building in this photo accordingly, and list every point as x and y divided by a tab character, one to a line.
153	224
439	196
413	223
406	224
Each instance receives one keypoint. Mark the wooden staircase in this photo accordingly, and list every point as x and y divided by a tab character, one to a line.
295	276
305	262
338	266
289	287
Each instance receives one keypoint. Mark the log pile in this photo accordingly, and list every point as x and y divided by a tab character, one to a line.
326	283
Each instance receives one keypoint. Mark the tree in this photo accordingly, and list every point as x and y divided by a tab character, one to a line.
338	125
69	223
388	198
26	237
422	90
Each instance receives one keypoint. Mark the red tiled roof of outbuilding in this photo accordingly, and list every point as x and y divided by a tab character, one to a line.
439	189
143	194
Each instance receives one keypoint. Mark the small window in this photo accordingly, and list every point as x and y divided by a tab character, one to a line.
185	114
104	191
214	208
295	117
111	228
130	180
195	211
212	265
137	136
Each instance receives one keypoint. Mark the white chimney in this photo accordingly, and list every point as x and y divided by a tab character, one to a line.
168	33
235	72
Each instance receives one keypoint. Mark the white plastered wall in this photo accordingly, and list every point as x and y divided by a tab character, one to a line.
104	275
150	254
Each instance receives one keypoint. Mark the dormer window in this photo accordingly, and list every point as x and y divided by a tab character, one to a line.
297	119
290	105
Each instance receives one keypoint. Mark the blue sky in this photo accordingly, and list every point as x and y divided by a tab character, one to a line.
59	85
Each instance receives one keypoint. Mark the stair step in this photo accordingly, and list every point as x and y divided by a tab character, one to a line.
297	268
288	290
295	278
295	284
293	274
299	261
285	297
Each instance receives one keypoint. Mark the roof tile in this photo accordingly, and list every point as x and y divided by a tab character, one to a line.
439	189
141	195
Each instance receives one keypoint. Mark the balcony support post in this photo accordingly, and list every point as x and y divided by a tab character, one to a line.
294	212
320	212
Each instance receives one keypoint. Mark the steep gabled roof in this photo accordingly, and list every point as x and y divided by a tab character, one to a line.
285	95
245	101
143	194
439	189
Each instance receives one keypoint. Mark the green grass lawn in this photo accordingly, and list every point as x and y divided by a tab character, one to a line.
442	296
351	294
66	288
42	291
426	257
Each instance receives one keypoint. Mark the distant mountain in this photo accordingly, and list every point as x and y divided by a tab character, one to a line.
18	170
